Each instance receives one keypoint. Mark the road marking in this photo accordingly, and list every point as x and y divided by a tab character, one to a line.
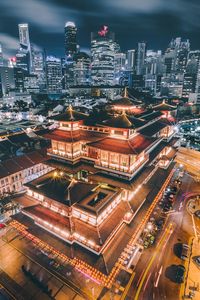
158	278
147	281
167	233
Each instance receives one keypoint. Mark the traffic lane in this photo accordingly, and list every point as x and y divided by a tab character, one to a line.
148	277
181	235
166	257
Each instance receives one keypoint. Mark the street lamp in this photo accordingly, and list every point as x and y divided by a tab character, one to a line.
149	226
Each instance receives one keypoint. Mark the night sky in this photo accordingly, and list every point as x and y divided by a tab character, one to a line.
154	21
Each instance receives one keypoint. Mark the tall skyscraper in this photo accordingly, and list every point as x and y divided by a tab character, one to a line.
1	56
7	81
70	39
81	68
131	59
39	68
23	59
53	75
141	54
24	53
120	65
24	35
103	52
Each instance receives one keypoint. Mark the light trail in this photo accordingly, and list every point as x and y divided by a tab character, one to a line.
164	240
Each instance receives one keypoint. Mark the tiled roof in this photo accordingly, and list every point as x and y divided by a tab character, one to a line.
133	146
151	116
80	227
136	122
120	121
69	116
19	138
152	129
125	102
19	163
74	136
164	107
56	188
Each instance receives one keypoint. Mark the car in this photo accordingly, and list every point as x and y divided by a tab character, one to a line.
186	246
180	271
185	251
197	213
146	244
166	208
196	260
174	190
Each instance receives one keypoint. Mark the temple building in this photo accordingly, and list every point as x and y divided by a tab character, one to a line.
167	109
89	214
85	200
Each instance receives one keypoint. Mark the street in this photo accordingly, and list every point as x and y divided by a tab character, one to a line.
154	272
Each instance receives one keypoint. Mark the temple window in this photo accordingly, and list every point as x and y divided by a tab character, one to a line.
119	132
61	146
104	155
132	159
124	160
76	147
114	158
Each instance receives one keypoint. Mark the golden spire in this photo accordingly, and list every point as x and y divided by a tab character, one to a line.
70	107
125	92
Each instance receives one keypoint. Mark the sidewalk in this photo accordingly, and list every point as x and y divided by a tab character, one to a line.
192	286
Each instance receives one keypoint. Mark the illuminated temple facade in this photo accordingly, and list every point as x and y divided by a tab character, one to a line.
79	201
119	145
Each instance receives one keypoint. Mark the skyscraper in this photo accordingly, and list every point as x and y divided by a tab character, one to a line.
70	39
131	58
103	52
1	56
24	35
39	68
53	75
141	53
81	68
119	66
24	52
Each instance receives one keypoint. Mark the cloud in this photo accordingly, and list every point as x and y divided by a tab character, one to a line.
9	44
44	14
136	6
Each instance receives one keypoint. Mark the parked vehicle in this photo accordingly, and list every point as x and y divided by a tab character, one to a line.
196	260
185	251
180	271
197	213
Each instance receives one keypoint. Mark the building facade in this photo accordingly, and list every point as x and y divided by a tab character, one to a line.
102	51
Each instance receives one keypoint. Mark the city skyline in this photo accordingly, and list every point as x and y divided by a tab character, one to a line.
154	22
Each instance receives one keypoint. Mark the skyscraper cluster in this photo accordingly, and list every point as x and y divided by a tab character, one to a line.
174	72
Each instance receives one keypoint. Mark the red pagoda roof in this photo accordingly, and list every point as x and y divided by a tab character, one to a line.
70	115
164	107
120	121
135	146
73	136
